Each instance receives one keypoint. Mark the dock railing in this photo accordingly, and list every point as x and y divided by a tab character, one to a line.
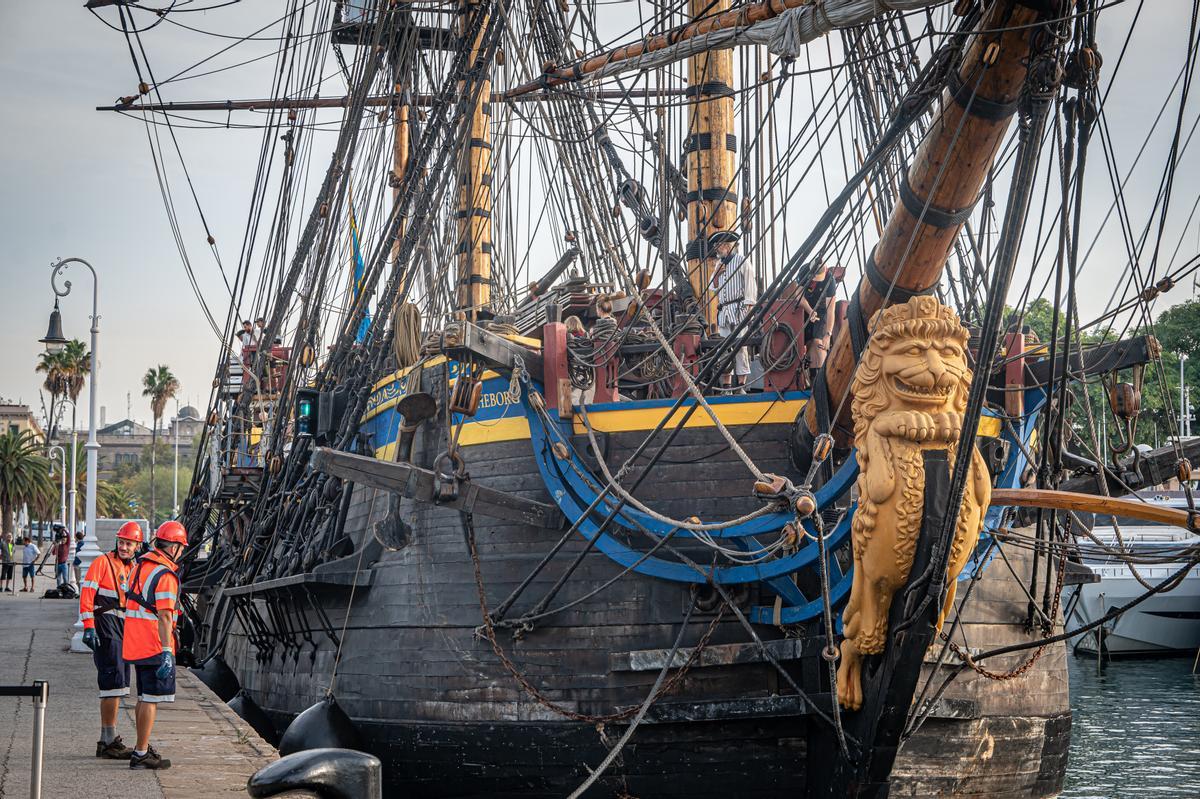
40	693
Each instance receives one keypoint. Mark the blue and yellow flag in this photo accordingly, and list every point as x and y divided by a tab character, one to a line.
360	269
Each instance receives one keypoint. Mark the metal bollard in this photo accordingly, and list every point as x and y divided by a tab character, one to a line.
40	693
39	737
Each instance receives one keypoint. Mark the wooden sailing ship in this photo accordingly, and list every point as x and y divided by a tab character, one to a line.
511	557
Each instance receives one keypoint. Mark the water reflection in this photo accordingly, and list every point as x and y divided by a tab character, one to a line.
1136	729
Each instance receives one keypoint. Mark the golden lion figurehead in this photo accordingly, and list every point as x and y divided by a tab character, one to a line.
916	359
910	395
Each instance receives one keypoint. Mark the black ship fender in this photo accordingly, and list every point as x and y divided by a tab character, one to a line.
330	773
323	726
249	711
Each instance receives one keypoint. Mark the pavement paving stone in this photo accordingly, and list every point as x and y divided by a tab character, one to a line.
213	752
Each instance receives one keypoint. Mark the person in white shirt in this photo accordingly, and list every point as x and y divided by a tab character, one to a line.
247	336
29	558
737	291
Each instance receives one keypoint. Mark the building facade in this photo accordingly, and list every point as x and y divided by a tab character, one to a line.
123	444
17	417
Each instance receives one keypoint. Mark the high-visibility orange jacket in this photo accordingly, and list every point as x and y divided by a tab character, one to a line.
153	587
103	593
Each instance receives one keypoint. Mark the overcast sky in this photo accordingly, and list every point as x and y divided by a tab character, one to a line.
78	182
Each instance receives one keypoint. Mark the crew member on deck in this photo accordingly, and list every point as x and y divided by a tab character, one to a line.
102	609
736	289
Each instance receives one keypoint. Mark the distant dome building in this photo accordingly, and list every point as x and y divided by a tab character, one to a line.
188	422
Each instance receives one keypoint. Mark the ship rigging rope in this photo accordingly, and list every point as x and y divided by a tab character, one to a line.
1150	555
920	96
797	259
720	589
923	709
1168	584
337	657
641	713
182	162
923	93
614	483
683	374
489	633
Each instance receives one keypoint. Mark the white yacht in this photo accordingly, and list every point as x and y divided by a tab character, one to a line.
1166	623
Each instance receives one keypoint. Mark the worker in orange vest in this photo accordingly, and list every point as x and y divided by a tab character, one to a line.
102	609
150	616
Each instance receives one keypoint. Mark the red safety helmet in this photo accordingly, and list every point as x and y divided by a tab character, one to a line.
131	531
172	532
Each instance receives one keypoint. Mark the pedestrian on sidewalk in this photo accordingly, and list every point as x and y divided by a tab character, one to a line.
29	556
7	561
151	611
77	563
102	608
62	555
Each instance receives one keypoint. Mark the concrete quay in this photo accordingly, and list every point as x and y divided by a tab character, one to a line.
212	751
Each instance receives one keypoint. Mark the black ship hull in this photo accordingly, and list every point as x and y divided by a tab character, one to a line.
394	634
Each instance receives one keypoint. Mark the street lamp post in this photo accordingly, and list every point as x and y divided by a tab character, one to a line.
71	525
68	518
89	551
57	453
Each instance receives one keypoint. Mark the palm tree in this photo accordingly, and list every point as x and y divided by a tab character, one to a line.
77	365
24	475
66	373
116	500
159	385
51	364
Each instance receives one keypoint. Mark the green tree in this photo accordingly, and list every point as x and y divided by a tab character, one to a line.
116	501
66	372
24	475
76	365
80	478
51	364
1178	329
1090	411
138	486
1037	316
159	385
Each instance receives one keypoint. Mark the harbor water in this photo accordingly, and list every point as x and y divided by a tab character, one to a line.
1136	729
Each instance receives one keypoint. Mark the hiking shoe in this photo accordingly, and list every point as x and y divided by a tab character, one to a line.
151	760
116	750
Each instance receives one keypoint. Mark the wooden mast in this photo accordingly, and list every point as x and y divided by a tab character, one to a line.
474	209
940	187
711	149
400	149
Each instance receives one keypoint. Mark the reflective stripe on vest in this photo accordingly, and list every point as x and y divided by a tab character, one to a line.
101	590
141	617
149	586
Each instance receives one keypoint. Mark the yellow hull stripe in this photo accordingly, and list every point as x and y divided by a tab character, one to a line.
747	413
494	431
